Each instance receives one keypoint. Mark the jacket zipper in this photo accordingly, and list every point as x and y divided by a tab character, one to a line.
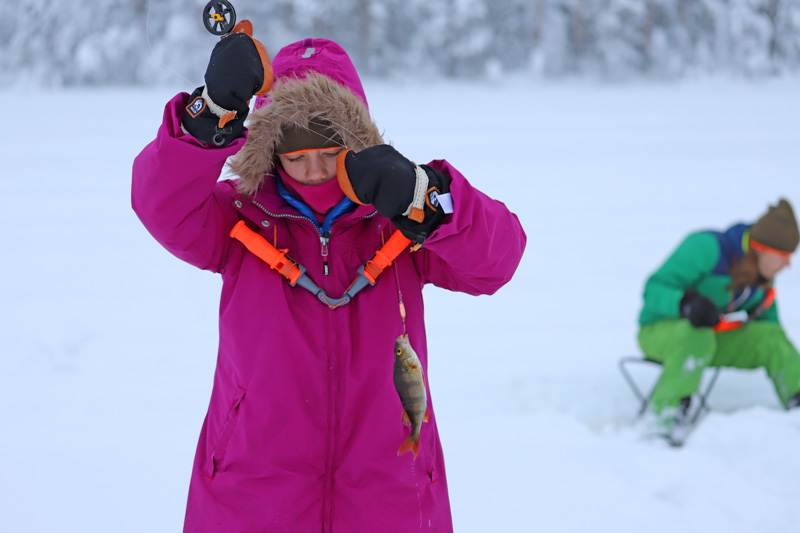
324	238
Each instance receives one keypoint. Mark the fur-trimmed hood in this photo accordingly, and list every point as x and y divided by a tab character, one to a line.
314	81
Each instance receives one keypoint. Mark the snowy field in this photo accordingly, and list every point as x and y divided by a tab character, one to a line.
108	343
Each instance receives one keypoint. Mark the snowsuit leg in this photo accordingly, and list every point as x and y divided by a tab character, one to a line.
684	351
762	344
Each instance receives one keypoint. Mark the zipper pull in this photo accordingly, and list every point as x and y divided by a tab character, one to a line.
323	239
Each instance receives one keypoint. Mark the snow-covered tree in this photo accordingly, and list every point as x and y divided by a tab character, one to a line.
153	41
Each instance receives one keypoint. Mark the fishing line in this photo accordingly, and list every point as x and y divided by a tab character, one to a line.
399	294
147	34
343	127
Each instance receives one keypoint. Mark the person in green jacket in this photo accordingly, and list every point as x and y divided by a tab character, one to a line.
687	320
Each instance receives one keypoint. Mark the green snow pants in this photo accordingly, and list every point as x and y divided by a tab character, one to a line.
685	351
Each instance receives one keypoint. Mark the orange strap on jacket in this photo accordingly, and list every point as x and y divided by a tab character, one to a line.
769	298
384	257
276	259
295	273
725	325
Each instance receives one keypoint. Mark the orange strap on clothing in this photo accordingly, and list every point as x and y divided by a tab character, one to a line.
730	325
725	325
769	298
276	259
384	257
295	273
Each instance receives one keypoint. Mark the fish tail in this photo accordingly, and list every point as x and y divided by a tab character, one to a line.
411	443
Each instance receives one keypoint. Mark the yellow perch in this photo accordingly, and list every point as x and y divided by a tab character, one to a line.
410	384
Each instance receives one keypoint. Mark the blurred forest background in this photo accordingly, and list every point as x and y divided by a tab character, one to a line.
144	42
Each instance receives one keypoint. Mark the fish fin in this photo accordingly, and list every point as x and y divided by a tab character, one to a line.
425	418
404	419
411	444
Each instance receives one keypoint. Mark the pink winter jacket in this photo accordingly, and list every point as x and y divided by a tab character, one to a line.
303	425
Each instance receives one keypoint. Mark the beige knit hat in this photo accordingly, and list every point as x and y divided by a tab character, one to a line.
777	228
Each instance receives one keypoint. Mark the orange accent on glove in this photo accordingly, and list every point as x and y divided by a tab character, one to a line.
227	117
417	215
344	179
246	27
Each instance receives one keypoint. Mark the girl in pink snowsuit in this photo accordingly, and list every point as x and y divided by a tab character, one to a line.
304	423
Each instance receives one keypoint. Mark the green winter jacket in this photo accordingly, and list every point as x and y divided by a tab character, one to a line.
703	262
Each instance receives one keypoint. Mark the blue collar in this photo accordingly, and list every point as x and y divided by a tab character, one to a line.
732	243
344	206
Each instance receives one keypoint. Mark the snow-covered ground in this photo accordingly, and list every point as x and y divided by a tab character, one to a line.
108	343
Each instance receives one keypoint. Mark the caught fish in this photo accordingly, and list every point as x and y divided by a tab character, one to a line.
410	384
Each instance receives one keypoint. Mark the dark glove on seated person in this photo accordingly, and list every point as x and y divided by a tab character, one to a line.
414	197
238	69
699	310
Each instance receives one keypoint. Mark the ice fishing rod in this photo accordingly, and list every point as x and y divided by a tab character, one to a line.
219	17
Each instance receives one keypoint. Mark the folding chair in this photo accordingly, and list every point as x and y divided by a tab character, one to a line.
702	394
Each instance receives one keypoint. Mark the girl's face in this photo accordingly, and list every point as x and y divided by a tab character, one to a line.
769	264
311	167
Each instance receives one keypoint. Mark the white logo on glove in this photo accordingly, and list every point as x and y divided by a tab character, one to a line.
196	107
433	198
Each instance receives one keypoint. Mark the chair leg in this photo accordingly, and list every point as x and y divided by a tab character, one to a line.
645	400
703	396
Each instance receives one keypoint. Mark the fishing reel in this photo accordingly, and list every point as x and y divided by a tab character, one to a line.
219	17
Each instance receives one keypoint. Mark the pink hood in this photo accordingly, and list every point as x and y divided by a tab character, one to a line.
317	55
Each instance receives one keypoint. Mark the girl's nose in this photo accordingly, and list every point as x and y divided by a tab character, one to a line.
316	170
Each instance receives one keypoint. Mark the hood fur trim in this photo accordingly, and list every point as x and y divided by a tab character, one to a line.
296	101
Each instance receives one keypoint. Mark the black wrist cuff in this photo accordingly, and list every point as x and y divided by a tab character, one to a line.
203	124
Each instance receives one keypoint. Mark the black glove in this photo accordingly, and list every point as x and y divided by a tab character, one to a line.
381	176
238	69
701	312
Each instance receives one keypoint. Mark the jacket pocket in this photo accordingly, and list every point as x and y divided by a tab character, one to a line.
217	454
